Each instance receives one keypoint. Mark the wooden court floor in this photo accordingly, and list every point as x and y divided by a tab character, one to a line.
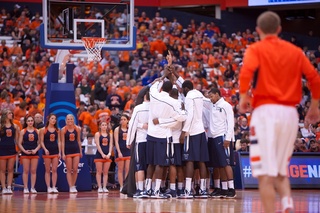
306	201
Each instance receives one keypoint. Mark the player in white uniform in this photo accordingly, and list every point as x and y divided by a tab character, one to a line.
161	106
221	135
137	130
175	151
194	138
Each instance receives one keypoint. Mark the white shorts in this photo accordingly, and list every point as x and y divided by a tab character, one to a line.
273	130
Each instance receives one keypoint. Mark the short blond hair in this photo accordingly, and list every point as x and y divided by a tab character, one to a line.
269	22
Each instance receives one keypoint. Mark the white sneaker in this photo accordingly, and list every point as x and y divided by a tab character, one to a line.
25	191
4	191
50	190
100	190
33	191
105	190
55	190
9	191
73	189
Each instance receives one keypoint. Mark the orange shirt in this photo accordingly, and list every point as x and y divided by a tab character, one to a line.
19	113
82	115
136	89
33	111
125	56
122	91
106	110
158	45
17	122
193	64
35	24
127	107
16	50
91	122
278	67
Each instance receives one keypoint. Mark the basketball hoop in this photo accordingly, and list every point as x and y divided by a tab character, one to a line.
93	46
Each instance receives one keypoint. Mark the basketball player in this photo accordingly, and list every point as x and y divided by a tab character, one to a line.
175	153
194	138
221	137
276	68
161	106
138	126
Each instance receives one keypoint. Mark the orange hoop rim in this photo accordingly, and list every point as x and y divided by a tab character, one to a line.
90	42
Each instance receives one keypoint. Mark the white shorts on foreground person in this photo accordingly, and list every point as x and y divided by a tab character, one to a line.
273	130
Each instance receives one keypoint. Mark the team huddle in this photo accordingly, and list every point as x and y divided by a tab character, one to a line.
174	134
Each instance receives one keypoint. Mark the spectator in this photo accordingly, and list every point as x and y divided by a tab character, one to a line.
100	89
307	130
300	145
90	147
38	121
244	145
113	99
314	146
90	120
135	65
157	46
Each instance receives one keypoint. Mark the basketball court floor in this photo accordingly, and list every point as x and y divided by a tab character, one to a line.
306	201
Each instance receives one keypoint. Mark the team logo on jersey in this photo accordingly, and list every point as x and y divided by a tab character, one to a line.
105	141
9	133
31	137
124	136
72	137
52	137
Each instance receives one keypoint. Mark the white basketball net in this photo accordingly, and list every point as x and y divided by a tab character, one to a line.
93	46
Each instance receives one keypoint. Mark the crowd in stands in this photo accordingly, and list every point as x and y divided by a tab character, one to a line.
201	53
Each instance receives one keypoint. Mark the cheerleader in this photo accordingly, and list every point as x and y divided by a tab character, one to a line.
122	152
104	142
50	142
71	150
29	146
9	134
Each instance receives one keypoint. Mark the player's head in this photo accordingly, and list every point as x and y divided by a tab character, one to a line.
147	95
167	86
268	23
214	95
186	87
141	94
174	93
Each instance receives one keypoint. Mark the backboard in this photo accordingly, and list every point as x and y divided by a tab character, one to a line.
66	22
